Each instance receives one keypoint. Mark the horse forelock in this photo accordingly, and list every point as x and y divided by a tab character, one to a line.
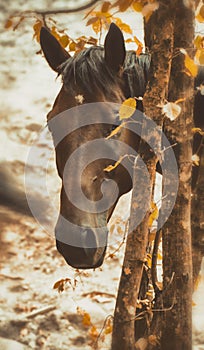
87	72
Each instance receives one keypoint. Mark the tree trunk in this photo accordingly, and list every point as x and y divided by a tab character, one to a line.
161	43
197	217
177	255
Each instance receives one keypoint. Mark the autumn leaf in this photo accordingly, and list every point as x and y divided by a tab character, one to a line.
137	6
149	260
37	27
199	56
200	15
97	26
127	108
93	333
191	66
198	130
171	110
109	327
189	63
8	24
60	285
122	4
64	40
86	319
199	42
92	20
105	7
123	26
72	46
154	214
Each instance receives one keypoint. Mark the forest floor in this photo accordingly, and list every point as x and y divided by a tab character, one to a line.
34	315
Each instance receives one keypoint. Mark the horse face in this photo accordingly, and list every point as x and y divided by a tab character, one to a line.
89	194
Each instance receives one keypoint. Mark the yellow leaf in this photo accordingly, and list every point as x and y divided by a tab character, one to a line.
109	328
202	11
64	40
109	168
97	26
86	319
191	66
8	24
37	27
93	333
91	20
201	14
149	260
139	50
137	6
129	40
124	4
60	285
154	214
198	42
200	56
189	63
125	28
197	282
55	33
72	46
159	256
127	108
137	41
199	18
171	110
198	130
105	7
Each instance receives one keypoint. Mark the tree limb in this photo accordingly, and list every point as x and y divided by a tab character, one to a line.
64	11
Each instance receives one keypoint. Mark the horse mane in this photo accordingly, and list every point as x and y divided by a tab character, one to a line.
88	71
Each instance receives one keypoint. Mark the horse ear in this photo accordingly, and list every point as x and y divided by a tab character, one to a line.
114	48
54	53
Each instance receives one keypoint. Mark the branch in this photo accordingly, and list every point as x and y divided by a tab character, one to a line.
63	11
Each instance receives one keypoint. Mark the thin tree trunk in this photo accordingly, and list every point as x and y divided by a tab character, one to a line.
177	254
160	43
197	216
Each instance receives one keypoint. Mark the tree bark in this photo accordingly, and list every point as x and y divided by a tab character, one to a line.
160	43
177	254
197	217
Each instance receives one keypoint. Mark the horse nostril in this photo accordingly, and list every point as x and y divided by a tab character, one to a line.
89	241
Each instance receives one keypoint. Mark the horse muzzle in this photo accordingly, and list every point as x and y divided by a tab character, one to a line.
88	254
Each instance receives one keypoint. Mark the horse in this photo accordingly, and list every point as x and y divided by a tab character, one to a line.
95	76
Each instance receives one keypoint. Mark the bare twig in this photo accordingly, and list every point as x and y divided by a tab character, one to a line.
63	11
41	311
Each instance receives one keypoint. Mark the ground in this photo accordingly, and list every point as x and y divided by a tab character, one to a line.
33	314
